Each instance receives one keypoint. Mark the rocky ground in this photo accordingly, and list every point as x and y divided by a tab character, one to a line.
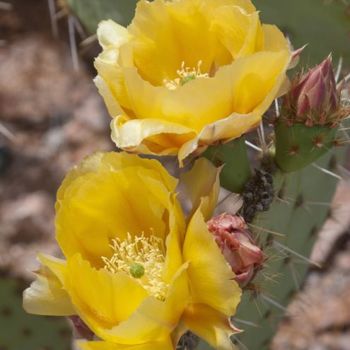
51	117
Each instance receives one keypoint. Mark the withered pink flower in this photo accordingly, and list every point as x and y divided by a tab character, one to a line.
237	245
313	98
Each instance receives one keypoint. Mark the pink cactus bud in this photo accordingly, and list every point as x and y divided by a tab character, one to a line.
313	98
236	244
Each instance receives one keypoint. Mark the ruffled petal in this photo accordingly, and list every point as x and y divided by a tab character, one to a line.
274	39
210	277
110	33
152	136
101	345
107	193
239	31
202	188
102	299
46	295
154	319
210	325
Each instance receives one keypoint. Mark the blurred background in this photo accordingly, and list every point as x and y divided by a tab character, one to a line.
51	117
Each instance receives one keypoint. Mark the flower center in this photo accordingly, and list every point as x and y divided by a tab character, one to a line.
185	74
142	258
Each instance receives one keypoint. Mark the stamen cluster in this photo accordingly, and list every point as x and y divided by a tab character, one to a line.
143	258
185	74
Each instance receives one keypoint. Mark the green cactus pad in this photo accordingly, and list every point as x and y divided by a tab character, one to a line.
20	331
287	232
322	25
91	12
298	145
301	206
234	157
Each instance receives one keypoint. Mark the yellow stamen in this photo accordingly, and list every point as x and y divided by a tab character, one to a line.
143	258
185	74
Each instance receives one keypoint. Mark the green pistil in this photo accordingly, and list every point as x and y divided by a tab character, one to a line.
137	270
187	78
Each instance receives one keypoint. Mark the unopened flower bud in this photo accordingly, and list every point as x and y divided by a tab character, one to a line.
313	98
237	245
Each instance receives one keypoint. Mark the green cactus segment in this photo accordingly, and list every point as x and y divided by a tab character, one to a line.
91	12
311	22
20	331
234	157
298	145
297	214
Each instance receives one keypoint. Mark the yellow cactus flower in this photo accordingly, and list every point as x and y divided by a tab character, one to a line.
136	271
188	73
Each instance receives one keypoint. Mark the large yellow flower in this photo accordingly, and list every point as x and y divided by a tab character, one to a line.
188	73
135	270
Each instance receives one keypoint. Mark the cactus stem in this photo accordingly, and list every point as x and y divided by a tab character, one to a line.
236	196
266	230
294	275
73	43
272	278
325	204
337	143
318	141
299	202
326	171
306	203
274	303
248	323
284	201
277	108
339	69
294	150
7	133
53	18
282	247
262	138
240	343
254	147
344	171
343	81
344	130
257	307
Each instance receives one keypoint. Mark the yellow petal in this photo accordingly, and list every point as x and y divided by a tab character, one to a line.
274	39
102	299
154	319
46	295
112	195
139	135
239	32
110	33
110	81
174	241
100	345
245	5
185	111
199	186
186	36
210	325
210	277
248	75
113	106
